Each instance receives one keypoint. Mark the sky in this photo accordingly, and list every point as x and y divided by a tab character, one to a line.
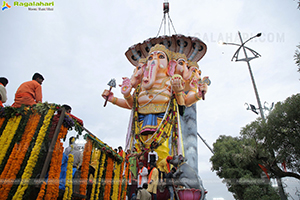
79	46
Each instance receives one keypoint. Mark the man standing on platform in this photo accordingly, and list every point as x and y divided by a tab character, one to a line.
3	94
153	181
142	175
30	92
152	156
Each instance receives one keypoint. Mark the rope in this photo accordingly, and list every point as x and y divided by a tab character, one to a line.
164	21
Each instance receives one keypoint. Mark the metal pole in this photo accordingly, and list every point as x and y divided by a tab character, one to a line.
279	183
206	143
252	78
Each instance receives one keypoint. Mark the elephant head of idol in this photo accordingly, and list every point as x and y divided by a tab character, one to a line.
193	75
136	77
181	65
158	65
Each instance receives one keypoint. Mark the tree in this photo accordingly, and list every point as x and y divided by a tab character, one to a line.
267	145
297	55
279	138
297	52
234	160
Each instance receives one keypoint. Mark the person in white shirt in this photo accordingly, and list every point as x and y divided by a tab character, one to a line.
3	93
152	156
142	175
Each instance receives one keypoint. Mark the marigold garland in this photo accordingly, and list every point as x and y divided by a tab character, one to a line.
42	191
85	166
17	156
8	135
109	167
8	166
98	162
2	119
55	167
116	181
101	170
124	191
68	186
108	178
33	156
122	166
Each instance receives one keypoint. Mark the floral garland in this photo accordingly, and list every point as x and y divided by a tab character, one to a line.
96	157
116	181
108	178
8	134
104	147
85	166
125	182
55	166
3	126
68	121
17	156
68	186
28	152
121	178
175	132
2	119
42	191
6	182
101	170
8	165
33	156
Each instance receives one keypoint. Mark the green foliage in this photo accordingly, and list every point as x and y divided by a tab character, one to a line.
282	132
234	161
278	137
297	53
269	143
78	128
262	193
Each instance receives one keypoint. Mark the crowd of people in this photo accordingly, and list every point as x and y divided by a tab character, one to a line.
144	176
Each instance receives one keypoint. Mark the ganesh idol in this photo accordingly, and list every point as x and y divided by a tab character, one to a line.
154	101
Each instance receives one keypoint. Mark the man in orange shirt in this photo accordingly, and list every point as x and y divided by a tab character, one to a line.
30	92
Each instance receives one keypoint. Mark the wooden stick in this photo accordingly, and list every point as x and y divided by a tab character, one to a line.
51	147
